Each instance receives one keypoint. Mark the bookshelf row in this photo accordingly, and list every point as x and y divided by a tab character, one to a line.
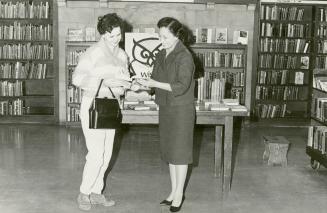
25	9
26	51
219	59
285	30
280	77
280	61
275	12
284	45
20	31
283	93
23	70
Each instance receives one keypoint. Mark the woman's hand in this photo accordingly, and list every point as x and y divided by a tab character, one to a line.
147	82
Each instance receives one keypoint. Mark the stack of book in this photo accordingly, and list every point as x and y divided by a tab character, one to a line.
317	138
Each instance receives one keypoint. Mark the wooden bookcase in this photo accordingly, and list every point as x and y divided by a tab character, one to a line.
28	68
317	149
73	94
285	56
220	67
231	66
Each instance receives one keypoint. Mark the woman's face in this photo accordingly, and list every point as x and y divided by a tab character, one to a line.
113	38
167	39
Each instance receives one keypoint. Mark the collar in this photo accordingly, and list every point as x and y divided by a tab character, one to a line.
179	47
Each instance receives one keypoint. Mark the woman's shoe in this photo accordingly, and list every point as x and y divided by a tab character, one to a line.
177	208
165	203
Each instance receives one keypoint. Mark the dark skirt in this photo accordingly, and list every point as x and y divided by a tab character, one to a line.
176	126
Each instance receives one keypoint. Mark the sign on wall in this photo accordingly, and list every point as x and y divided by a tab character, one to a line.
142	49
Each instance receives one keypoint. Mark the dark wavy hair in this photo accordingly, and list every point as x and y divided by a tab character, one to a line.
109	21
176	28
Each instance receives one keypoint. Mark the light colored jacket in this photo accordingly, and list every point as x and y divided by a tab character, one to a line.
98	59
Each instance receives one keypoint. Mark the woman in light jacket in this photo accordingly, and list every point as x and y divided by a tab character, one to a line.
103	60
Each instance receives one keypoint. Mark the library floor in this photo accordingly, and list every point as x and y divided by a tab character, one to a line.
41	167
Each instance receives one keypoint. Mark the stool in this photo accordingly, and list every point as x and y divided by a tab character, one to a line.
276	148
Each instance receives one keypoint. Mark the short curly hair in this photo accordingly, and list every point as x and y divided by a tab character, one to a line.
109	21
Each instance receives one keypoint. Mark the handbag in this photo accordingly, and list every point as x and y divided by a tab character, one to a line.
104	113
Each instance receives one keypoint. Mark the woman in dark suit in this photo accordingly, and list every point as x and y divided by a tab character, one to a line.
173	81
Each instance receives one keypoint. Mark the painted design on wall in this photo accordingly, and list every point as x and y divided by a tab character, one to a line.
142	49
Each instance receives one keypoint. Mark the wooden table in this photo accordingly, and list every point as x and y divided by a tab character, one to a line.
223	122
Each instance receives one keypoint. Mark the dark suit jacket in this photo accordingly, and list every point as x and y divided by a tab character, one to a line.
177	70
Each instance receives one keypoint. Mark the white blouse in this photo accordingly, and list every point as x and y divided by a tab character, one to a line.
98	59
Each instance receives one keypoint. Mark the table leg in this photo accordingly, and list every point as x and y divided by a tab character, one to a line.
218	143
227	155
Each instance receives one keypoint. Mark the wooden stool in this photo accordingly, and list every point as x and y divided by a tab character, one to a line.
276	148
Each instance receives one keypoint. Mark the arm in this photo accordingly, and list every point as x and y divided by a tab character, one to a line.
184	75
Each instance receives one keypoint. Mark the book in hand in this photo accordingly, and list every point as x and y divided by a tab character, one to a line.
238	108
231	101
218	107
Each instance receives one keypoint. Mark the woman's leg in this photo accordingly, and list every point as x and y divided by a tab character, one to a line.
181	172
95	143
108	146
173	181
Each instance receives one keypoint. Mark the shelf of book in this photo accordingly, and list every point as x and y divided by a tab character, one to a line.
28	74
221	71
285	52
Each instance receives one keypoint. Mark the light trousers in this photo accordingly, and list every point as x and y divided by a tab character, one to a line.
99	144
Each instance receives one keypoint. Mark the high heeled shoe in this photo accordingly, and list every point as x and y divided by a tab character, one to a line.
177	208
165	203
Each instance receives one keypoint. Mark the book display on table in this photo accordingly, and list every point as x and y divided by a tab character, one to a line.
28	87
284	62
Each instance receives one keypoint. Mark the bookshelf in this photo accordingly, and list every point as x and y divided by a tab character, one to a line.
220	71
73	94
28	75
316	147
285	49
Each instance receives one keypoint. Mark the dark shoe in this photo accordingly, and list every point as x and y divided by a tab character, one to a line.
177	208
165	203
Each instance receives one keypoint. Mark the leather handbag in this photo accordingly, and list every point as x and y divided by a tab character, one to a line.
104	113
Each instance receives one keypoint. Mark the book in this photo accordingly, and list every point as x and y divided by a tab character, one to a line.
221	36
238	108
75	34
218	107
204	35
299	76
149	30
231	101
304	62
90	34
240	37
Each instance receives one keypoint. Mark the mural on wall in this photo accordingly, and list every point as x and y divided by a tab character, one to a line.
142	49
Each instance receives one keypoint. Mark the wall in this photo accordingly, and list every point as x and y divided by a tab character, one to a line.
146	14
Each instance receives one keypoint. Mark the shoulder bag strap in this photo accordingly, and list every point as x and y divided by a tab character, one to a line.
96	95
